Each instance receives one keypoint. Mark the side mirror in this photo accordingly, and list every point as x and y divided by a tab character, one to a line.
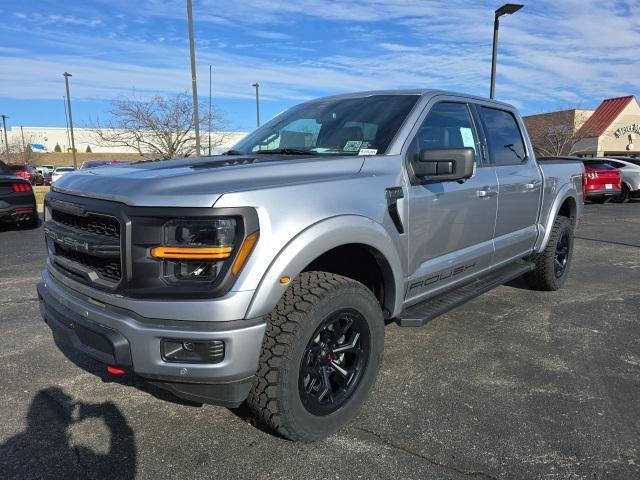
445	165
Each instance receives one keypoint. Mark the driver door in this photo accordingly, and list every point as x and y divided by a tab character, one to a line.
451	224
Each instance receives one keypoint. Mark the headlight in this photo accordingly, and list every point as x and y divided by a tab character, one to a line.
194	250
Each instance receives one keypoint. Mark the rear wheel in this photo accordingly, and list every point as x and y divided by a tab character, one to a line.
320	358
624	195
552	264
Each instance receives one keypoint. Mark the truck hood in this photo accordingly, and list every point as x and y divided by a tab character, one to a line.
200	182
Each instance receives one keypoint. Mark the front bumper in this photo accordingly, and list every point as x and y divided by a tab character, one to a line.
113	335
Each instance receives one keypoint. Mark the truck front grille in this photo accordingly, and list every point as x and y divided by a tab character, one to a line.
105	226
85	245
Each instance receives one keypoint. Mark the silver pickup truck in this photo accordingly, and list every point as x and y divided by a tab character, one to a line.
267	274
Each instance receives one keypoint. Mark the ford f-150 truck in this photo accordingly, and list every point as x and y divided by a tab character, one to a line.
267	274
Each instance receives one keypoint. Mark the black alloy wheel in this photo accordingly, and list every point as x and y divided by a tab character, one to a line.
333	362
562	255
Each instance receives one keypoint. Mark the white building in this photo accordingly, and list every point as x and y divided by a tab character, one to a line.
85	137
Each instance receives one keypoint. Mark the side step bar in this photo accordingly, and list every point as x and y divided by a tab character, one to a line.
419	314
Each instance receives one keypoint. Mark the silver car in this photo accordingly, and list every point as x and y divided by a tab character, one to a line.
630	171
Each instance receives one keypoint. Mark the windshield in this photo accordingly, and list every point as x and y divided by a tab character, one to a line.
346	126
64	169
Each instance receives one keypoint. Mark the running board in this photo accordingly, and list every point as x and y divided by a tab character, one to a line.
419	314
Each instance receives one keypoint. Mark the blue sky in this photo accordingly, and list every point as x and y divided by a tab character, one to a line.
553	54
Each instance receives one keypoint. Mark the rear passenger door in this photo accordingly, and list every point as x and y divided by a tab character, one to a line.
519	183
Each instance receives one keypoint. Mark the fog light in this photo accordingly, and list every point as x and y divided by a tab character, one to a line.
177	350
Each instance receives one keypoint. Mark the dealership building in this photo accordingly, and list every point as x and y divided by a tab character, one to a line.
612	129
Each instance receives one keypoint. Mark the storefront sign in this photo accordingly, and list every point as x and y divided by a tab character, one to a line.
635	128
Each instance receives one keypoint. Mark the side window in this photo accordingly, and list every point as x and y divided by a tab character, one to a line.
448	125
504	139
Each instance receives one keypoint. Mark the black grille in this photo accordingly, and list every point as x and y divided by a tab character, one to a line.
104	226
107	268
84	243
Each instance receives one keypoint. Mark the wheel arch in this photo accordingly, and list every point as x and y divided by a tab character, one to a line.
565	204
322	244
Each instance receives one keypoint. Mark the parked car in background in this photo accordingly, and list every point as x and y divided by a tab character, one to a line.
602	182
47	169
17	201
29	173
59	172
630	170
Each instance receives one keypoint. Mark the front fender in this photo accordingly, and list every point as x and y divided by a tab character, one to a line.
317	239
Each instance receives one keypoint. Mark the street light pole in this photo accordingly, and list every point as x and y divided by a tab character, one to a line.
6	140
66	118
209	110
506	9
66	76
194	82
257	87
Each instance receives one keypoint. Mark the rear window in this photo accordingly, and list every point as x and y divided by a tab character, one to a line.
599	165
64	169
18	168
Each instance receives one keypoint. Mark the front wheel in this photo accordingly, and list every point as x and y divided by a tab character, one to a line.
320	356
552	264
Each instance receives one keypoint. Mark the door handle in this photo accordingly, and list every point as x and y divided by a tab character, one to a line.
486	193
530	186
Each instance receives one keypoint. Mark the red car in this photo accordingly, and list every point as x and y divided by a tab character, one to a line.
601	180
27	172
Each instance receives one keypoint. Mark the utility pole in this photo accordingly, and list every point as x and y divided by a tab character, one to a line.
66	119
73	141
257	87
24	147
6	140
209	110
194	82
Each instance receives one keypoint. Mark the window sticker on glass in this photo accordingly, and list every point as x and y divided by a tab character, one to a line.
352	146
467	137
368	151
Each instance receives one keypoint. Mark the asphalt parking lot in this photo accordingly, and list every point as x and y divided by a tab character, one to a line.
516	384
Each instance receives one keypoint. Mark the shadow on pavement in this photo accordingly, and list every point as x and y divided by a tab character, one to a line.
45	449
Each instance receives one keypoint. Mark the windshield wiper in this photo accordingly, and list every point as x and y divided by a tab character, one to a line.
286	151
232	152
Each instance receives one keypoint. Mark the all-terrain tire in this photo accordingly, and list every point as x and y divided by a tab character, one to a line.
276	395
545	274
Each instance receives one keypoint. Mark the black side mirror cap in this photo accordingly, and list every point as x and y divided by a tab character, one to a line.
444	165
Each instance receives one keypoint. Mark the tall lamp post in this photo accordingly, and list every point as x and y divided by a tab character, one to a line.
73	141
194	82
506	9
257	87
6	141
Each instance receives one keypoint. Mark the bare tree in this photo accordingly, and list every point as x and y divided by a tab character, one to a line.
161	126
556	133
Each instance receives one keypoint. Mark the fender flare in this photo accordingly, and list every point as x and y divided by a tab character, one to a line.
567	191
317	239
